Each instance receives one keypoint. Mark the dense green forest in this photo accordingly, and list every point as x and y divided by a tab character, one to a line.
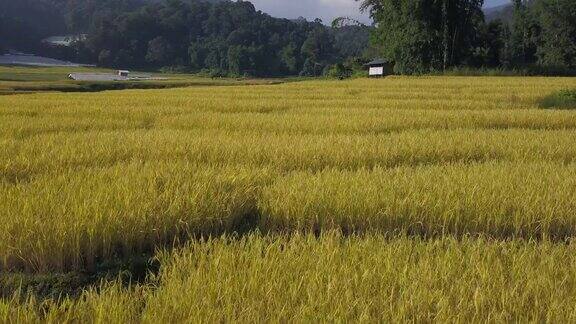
24	23
223	37
423	36
219	37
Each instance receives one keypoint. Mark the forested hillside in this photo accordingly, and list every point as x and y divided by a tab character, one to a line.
24	23
219	37
222	37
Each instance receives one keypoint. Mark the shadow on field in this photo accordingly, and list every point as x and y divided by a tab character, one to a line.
98	87
72	284
126	269
141	268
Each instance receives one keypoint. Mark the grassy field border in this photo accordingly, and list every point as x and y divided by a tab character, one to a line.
24	79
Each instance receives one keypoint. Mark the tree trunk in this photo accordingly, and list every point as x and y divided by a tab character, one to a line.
445	36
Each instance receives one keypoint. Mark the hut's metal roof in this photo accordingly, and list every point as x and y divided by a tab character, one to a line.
377	62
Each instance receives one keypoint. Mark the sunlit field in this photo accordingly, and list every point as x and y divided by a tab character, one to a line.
435	199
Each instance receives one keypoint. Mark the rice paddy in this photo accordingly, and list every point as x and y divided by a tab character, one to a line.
429	199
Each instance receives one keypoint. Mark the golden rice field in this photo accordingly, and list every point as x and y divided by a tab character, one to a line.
422	199
333	279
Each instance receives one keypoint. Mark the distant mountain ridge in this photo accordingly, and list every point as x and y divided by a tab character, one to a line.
502	12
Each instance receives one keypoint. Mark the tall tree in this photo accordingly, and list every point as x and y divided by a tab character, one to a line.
425	35
523	35
556	44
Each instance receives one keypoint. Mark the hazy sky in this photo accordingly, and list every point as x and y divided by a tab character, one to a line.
327	10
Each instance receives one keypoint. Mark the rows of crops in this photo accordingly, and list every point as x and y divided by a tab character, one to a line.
458	183
332	278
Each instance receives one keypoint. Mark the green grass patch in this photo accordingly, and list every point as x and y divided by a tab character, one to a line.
492	72
20	79
36	74
564	99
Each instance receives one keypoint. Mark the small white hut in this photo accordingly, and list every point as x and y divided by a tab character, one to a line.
378	68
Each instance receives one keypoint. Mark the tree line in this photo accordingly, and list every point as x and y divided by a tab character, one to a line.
216	37
423	36
222	37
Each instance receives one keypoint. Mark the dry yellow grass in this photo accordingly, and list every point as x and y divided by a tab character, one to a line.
334	279
87	177
432	199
